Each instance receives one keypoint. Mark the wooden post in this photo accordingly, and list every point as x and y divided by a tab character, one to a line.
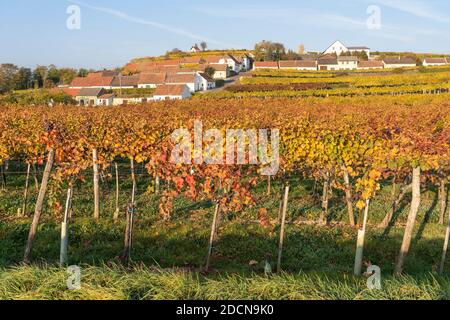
128	233
269	186
211	238
157	183
442	199
415	203
133	177
325	193
39	205
444	250
360	242
2	171
283	223
116	213
348	196
65	230
25	193
96	184
35	176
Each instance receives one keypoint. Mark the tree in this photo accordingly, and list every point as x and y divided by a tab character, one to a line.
22	79
66	75
39	76
83	72
210	71
269	51
8	73
203	45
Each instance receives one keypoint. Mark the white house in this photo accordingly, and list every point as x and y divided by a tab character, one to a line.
193	81
430	62
367	65
398	62
89	96
207	83
347	63
195	48
336	48
246	62
310	65
151	80
171	92
221	71
327	64
339	48
105	100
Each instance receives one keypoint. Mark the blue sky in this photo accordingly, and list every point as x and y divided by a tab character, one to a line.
113	32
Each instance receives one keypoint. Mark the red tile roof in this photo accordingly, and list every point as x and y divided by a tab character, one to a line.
266	64
180	78
435	60
106	96
152	78
370	64
297	64
170	90
93	81
70	91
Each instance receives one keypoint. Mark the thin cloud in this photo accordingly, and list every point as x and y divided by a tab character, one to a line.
416	8
127	17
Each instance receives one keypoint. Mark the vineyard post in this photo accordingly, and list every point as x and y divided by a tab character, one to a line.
133	178
96	184
2	169
35	176
283	223
269	178
157	183
116	213
444	250
211	238
442	198
348	196
325	193
360	242
128	233
65	229
39	205
280	207
25	193
415	203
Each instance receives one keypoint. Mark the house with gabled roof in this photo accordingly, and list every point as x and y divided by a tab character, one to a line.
206	82
125	82
151	80
430	62
171	92
193	81
339	48
89	96
221	71
398	62
195	48
92	81
367	65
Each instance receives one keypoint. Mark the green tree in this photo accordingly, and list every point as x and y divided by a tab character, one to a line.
8	73
210	71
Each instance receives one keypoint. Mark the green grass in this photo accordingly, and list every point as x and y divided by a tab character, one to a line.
168	256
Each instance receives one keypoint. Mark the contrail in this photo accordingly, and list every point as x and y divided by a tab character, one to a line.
125	16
